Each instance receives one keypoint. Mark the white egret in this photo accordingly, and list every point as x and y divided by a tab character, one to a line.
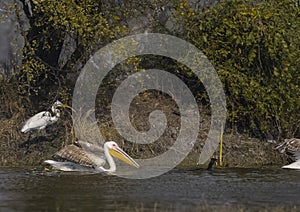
90	157
42	119
291	147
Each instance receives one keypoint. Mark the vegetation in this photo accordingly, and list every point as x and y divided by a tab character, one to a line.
254	46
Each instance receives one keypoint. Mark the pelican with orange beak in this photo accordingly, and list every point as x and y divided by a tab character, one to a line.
83	156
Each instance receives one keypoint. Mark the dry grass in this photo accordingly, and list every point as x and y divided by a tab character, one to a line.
15	147
11	119
85	128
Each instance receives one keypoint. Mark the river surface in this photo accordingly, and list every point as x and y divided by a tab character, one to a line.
177	190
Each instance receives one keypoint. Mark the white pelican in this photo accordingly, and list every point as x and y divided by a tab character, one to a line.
42	119
291	147
91	158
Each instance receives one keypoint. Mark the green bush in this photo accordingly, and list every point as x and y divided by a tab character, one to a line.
254	45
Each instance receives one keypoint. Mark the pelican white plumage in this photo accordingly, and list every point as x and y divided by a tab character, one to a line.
85	156
295	165
42	119
291	147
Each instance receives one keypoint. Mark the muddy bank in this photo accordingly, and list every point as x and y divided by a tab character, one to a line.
246	152
17	149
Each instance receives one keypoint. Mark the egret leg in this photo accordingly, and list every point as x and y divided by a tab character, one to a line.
29	136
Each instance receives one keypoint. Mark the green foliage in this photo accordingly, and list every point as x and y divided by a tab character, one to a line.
91	23
254	45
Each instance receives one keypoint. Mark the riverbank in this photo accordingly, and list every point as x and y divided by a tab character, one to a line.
31	149
238	151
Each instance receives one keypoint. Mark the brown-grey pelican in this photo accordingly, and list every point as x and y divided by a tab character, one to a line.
85	156
291	147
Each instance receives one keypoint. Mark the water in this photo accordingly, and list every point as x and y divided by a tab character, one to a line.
178	190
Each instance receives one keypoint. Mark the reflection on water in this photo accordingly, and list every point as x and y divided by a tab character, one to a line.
32	190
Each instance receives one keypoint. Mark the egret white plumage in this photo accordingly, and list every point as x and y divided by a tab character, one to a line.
90	157
42	119
291	147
